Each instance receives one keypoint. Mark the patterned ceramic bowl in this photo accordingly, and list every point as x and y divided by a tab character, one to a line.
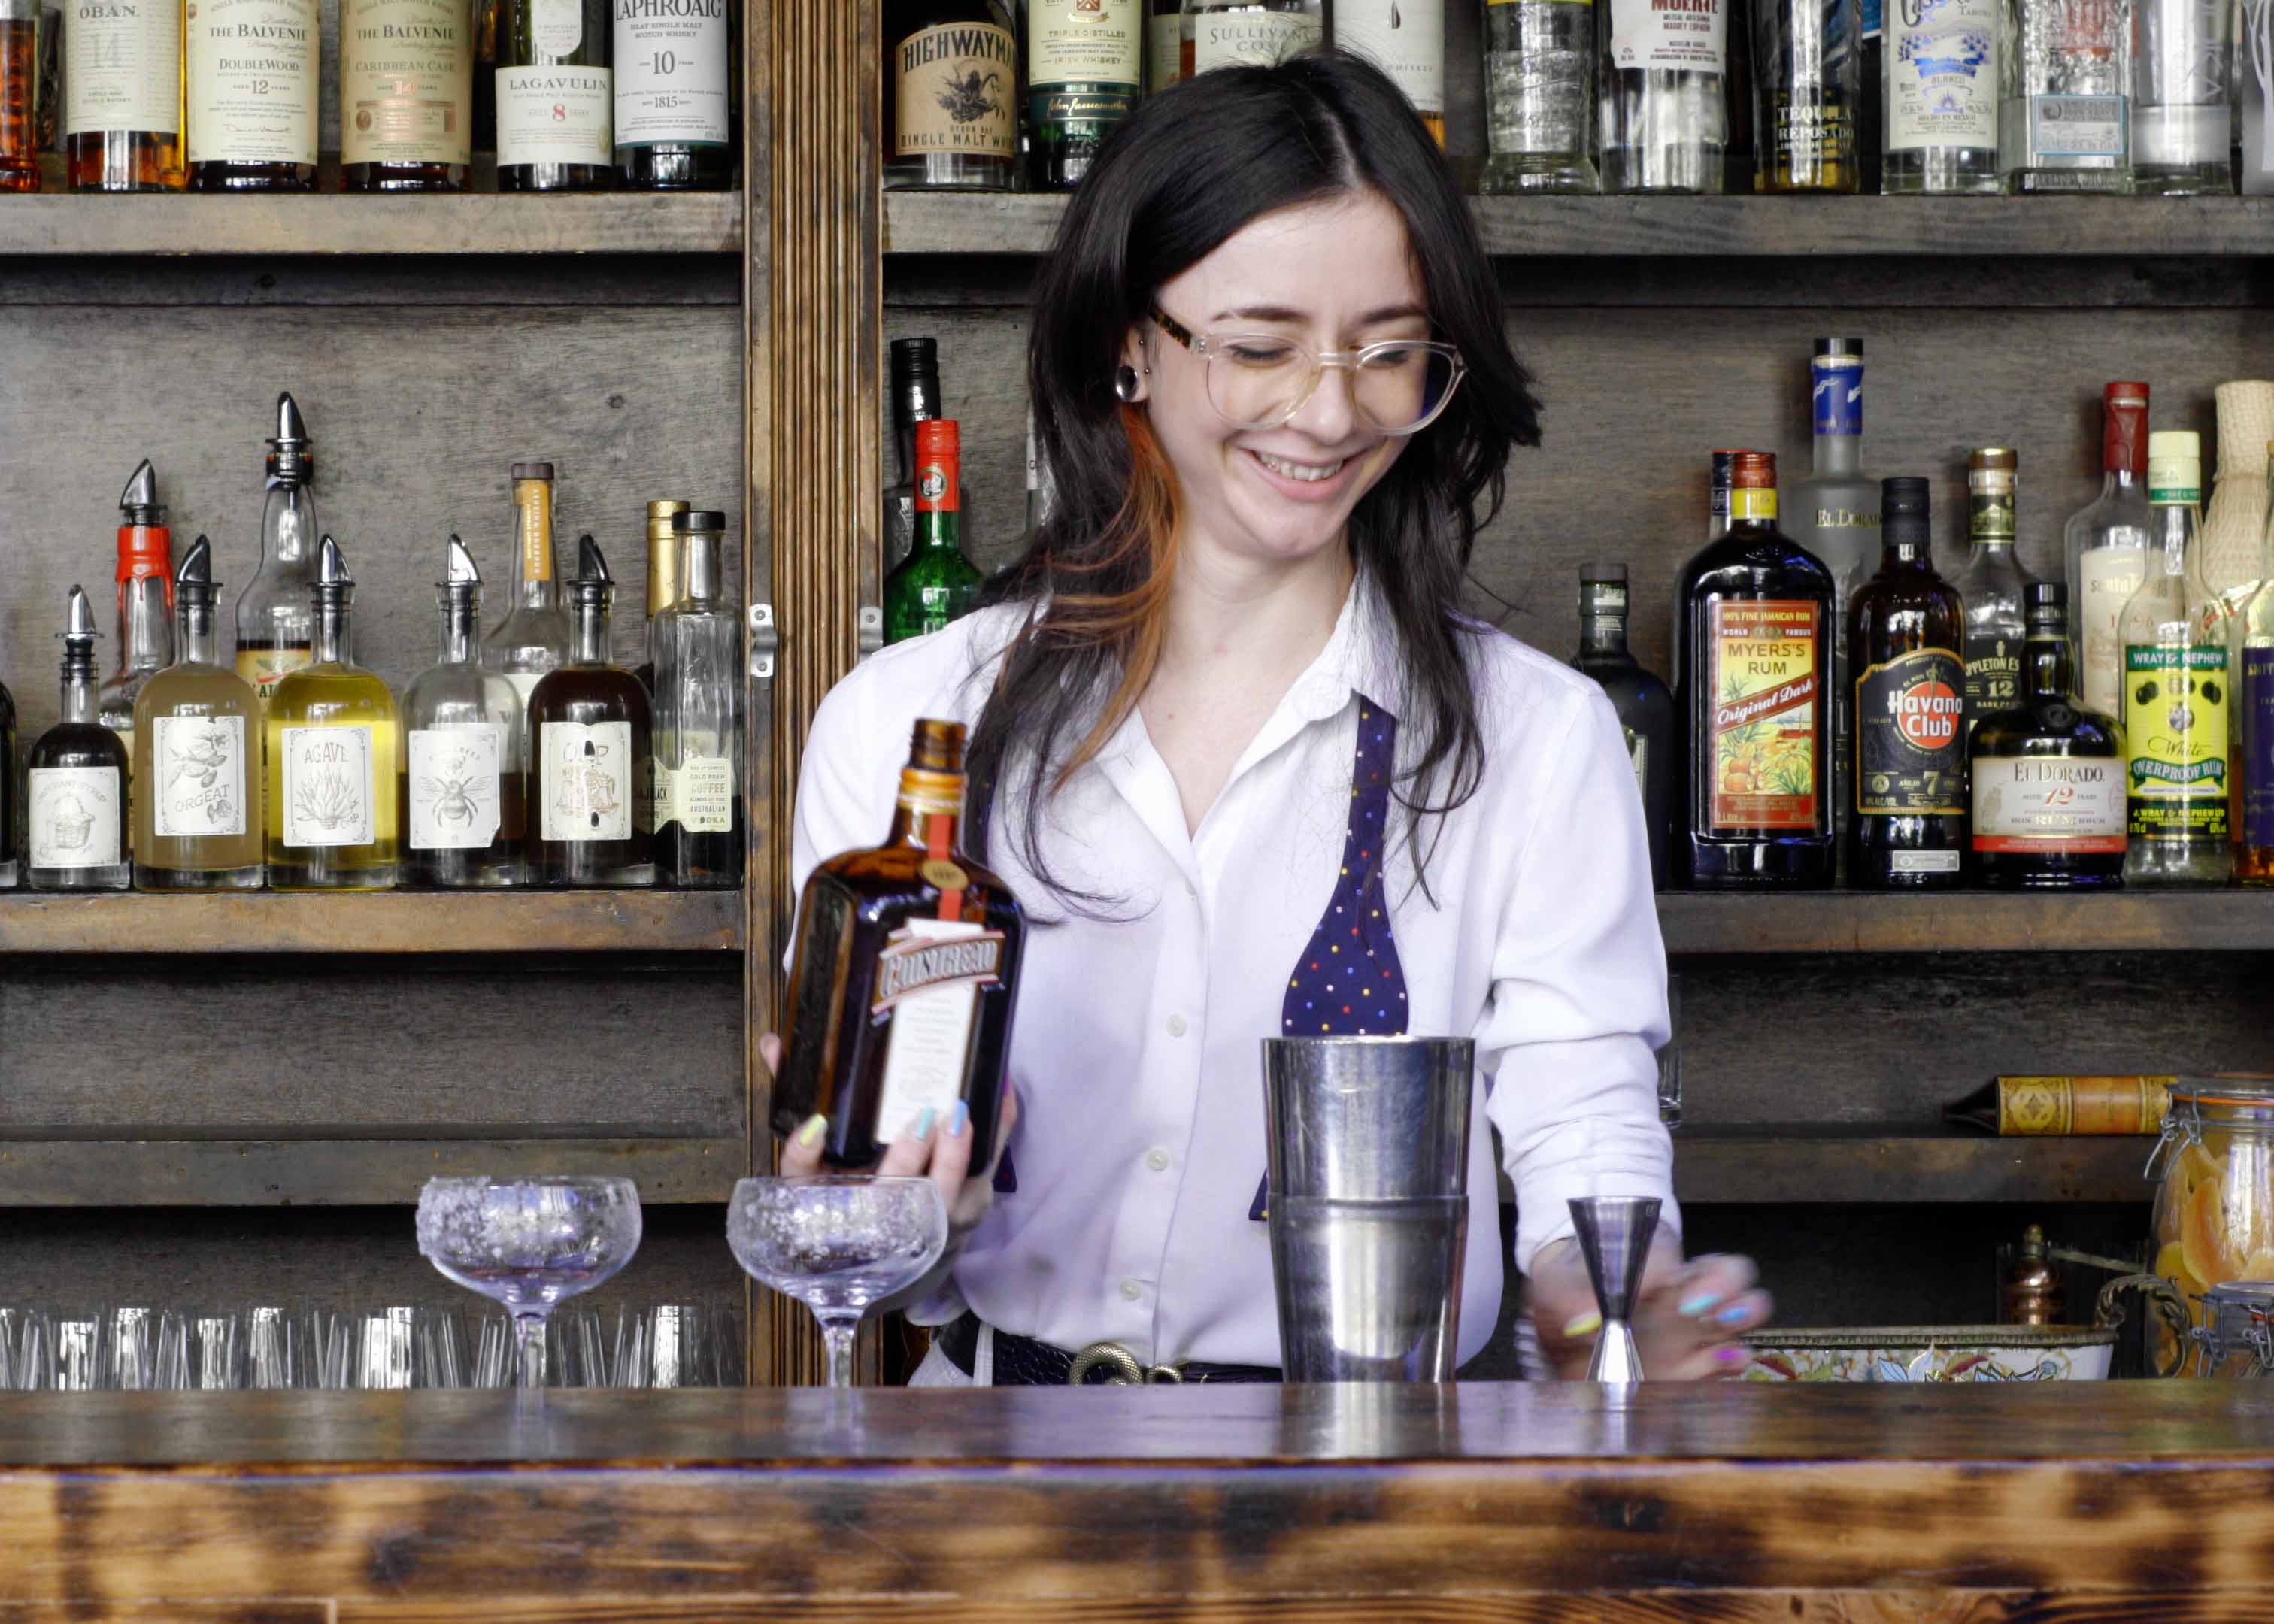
1933	1353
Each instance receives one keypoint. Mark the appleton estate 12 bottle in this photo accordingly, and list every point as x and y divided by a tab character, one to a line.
906	971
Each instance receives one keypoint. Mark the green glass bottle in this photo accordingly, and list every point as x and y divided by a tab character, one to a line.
935	583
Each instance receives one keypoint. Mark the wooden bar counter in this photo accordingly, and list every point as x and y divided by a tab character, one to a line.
2116	1501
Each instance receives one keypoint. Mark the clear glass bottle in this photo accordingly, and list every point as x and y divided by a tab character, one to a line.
2254	88
951	96
2178	690
698	718
1539	97
2105	548
533	637
1164	44
2065	100
1808	61
465	794
276	630
1939	93
76	776
1405	39
590	737
196	748
2254	673
332	755
2184	53
1662	96
662	579
146	609
1993	585
11	797
1224	33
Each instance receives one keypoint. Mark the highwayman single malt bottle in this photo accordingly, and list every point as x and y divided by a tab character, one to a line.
196	751
904	978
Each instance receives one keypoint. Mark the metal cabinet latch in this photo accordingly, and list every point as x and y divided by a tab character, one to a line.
765	642
869	629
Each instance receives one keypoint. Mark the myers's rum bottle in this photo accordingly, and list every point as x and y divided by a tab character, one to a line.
906	972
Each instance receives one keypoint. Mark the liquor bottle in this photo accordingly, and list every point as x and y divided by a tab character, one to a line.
1754	647
2065	97
465	794
589	737
556	96
1720	475
674	101
2182	51
1539	97
533	637
1938	79
2105	545
145	610
903	978
1835	516
1906	627
2048	776
662	578
332	756
1664	96
1808	59
76	780
1042	485
1085	71
1871	113
2234	524
916	399
1645	708
19	100
275	629
406	95
2178	683
11	797
196	743
1992	584
952	97
1164	44
699	723
935	583
125	98
253	71
1229	33
1405	39
2254	636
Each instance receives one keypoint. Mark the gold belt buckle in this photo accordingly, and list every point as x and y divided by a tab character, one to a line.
1123	1369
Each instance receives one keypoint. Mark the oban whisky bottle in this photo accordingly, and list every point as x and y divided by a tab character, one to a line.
77	780
253	71
196	744
123	112
662	577
145	615
464	789
698	722
1754	647
904	977
533	637
589	729
556	96
1906	629
950	95
332	753
1646	708
2048	776
935	583
1085	71
674	101
406	95
275	627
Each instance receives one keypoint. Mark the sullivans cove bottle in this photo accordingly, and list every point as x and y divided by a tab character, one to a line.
589	726
463	785
197	742
78	779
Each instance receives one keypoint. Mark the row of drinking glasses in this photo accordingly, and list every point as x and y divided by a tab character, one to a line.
136	1348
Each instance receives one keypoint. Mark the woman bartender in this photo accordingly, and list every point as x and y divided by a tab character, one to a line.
1256	773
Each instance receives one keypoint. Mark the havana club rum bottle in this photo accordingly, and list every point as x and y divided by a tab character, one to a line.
1754	636
906	971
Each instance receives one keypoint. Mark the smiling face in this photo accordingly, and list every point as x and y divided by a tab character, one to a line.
1334	275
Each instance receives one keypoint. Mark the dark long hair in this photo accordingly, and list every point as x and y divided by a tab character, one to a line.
1188	170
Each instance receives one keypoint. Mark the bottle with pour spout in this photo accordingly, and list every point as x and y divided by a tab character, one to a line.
78	779
196	751
275	628
462	781
145	603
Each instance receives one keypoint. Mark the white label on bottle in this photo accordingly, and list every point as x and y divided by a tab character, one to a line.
329	796
1923	863
198	763
1638	758
2048	803
252	80
1406	40
1685	35
74	817
1942	74
2112	575
670	64
929	1045
698	795
454	795
2072	126
1164	52
123	68
1256	39
406	82
1083	41
556	27
555	116
586	774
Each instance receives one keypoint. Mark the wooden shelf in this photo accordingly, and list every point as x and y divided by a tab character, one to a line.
1870	1163
338	223
405	921
1832	921
1737	227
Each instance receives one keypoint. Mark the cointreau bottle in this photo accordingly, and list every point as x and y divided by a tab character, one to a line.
904	974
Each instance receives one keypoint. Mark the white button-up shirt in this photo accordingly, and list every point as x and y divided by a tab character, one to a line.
1136	1046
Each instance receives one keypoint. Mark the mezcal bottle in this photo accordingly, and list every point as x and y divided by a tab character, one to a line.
332	754
77	774
197	736
1662	95
464	794
588	736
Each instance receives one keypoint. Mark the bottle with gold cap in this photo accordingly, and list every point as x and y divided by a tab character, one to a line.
662	577
533	637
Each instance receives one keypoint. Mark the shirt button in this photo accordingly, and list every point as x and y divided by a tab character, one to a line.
1132	1289
1157	1160
1176	1026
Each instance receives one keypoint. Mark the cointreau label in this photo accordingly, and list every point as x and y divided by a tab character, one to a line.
1767	714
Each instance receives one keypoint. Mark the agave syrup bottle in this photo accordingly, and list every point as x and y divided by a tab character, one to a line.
197	737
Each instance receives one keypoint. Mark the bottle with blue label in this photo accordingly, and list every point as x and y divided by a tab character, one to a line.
2065	97
1940	96
2254	853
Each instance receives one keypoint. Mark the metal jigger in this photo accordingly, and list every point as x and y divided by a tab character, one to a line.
1614	1235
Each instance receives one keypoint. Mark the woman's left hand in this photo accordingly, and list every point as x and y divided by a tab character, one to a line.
1687	1320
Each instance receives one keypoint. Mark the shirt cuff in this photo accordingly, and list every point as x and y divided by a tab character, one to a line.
1620	1160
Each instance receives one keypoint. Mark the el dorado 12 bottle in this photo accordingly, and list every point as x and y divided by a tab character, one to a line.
905	975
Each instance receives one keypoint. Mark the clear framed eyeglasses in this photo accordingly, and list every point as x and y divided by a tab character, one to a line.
1258	380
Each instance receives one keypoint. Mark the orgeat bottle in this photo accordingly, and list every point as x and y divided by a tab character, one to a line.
275	629
589	739
464	789
197	756
146	592
76	776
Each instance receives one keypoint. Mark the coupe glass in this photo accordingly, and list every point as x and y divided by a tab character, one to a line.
840	1243
528	1244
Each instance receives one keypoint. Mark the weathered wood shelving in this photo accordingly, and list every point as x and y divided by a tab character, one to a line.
335	225
403	922
1834	921
1819	1163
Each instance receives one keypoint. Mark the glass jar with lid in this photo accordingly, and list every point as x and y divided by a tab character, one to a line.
2214	1220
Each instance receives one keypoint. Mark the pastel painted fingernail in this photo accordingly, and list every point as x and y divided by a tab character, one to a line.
1736	1313
958	1120
815	1127
1732	1356
1582	1325
1697	1307
924	1124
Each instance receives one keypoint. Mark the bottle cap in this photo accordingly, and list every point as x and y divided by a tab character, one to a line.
1616	573
2174	466
938	437
78	618
660	516
592	583
2124	428
1904	496
1753	470
196	573
137	503
1841	347
532	471
935	745
291	454
458	568
331	567
697	519
915	358
2048	595
1991	457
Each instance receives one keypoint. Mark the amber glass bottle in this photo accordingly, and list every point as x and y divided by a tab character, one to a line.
591	753
124	102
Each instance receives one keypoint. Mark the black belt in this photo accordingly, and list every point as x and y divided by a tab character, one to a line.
1022	1362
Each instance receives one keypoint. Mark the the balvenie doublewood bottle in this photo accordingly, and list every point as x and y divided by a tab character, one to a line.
906	972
